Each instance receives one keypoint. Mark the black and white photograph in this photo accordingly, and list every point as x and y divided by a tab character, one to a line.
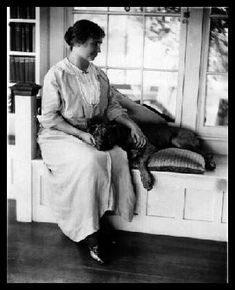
117	145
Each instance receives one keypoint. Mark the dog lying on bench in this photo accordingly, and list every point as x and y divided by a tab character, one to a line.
108	134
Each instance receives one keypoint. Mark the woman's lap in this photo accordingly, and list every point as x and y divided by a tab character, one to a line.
63	149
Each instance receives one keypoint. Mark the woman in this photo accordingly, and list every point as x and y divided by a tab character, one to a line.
84	182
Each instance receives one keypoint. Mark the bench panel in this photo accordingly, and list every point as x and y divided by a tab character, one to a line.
199	204
41	210
163	200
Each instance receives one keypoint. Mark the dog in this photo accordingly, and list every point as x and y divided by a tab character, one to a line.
108	134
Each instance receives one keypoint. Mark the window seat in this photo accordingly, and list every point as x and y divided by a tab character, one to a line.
180	204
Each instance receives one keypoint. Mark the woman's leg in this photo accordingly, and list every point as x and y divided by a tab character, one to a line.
85	183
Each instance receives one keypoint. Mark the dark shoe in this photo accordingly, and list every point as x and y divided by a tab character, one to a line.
93	246
95	254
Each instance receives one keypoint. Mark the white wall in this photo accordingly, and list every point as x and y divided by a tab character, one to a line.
52	44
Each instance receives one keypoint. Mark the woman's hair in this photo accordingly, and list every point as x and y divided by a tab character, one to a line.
81	31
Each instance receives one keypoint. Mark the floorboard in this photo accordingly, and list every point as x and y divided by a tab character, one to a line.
40	253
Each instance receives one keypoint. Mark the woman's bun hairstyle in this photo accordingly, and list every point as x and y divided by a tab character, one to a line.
69	35
81	31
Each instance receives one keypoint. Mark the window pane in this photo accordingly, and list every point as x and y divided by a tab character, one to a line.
217	100
163	9
126	9
128	82
91	8
218	46
101	20
160	91
125	41
162	42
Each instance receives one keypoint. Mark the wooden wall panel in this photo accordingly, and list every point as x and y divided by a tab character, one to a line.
199	204
163	201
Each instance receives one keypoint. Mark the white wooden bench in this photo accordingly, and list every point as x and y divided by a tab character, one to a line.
189	205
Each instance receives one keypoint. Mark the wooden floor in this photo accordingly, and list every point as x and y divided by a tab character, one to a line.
40	253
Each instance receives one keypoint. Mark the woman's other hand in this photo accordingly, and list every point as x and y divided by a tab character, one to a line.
87	137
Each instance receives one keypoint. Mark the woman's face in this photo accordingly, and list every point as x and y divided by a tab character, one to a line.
90	48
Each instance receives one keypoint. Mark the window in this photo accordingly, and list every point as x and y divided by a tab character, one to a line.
172	58
141	54
214	94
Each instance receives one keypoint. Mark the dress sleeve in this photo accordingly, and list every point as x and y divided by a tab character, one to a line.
114	109
51	102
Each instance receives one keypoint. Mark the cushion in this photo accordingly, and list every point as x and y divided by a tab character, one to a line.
176	160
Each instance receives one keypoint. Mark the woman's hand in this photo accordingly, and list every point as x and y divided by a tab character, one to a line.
87	137
136	133
138	136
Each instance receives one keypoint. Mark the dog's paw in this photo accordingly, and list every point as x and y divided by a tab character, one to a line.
147	181
148	187
210	165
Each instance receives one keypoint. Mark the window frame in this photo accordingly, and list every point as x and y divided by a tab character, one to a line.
190	98
216	132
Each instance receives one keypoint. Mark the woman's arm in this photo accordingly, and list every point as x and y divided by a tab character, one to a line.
137	112
51	108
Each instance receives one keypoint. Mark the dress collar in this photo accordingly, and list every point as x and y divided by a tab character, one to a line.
70	68
74	68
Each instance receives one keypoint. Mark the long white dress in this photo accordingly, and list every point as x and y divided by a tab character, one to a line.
83	182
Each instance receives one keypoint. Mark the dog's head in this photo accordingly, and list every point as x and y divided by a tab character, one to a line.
104	134
186	139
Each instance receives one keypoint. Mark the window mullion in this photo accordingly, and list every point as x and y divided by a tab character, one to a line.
142	64
192	69
203	73
107	45
181	66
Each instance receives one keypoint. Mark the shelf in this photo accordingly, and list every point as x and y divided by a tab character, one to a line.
21	20
11	84
23	53
22	33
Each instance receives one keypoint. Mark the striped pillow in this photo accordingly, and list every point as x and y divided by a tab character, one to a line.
176	160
